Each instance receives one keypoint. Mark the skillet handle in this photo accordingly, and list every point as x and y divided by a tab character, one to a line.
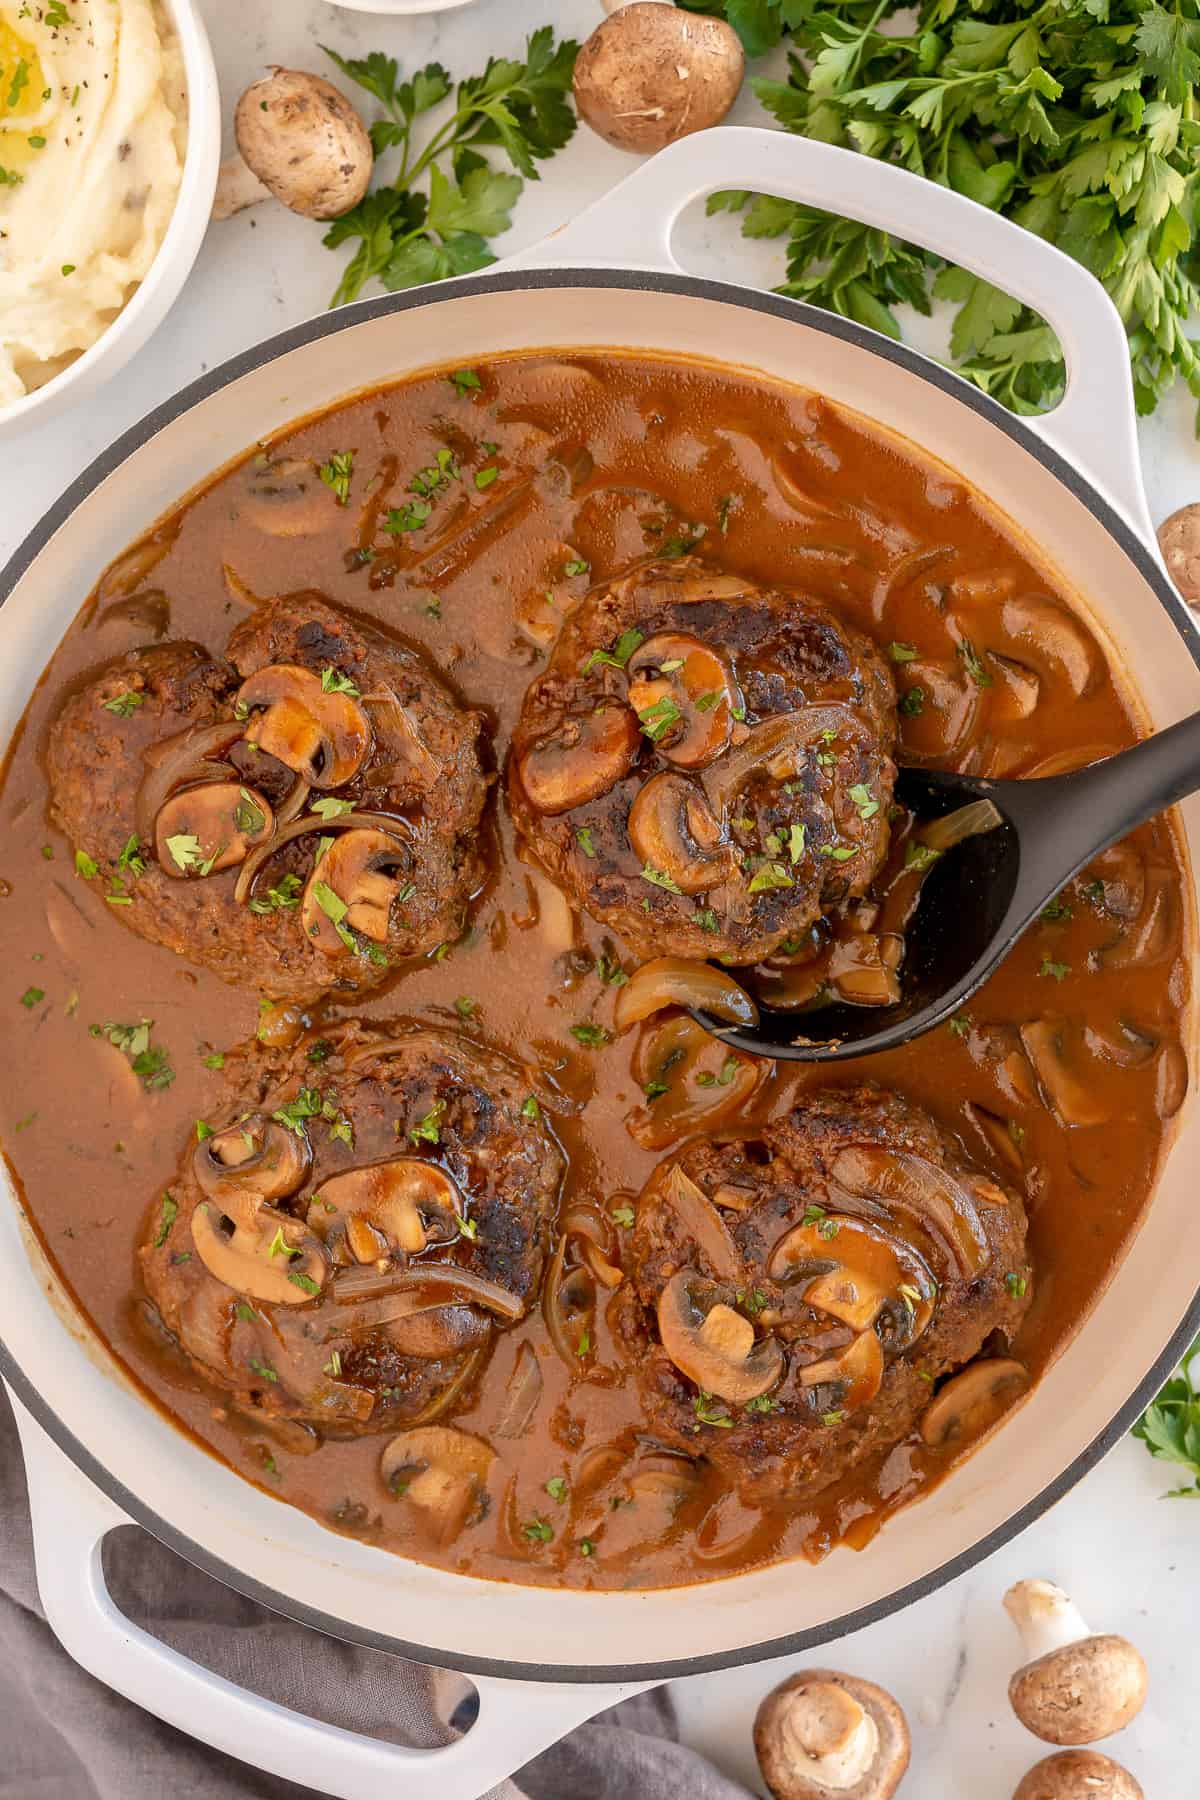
71	1519
1093	426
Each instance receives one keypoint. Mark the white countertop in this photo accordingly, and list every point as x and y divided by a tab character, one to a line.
1131	1559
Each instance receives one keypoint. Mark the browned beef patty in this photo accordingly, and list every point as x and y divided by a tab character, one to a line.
319	749
705	764
365	1215
854	1258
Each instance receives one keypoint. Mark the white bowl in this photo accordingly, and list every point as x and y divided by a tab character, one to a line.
144	312
398	8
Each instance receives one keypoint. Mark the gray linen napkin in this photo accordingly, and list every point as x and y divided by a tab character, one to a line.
63	1736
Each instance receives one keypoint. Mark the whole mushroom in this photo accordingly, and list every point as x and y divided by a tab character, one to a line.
1179	541
301	141
1078	1775
821	1734
651	74
1077	1686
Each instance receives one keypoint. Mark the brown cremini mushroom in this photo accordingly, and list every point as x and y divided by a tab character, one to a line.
857	1371
1078	1775
1077	1687
585	757
854	1271
673	830
1179	541
263	1253
352	888
715	1349
202	830
405	1205
320	732
301	141
685	696
972	1400
255	1160
821	1735
651	74
443	1473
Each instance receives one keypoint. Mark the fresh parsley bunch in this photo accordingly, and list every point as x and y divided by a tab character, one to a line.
1170	1426
407	236
1076	118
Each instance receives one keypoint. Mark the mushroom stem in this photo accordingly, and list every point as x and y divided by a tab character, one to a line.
827	1730
1046	1617
237	188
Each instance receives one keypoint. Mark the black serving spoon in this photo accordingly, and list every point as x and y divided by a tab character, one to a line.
981	894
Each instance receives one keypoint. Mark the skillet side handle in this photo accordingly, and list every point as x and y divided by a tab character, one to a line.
1094	425
71	1519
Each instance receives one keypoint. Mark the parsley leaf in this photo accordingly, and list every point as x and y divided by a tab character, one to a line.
1170	1426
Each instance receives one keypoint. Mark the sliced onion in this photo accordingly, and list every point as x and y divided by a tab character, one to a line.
441	1403
910	1184
370	1284
293	802
964	822
556	1324
700	1218
177	759
304	828
521	1396
677	981
396	732
775	747
587	1222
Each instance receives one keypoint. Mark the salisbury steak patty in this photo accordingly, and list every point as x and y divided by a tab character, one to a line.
362	1216
294	817
706	764
798	1295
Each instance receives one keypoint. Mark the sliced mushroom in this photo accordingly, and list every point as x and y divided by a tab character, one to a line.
443	1473
361	869
673	830
265	1254
907	1183
1074	1100
285	497
405	1205
255	1160
859	1368
971	1401
853	1271
203	830
1016	691
1051	640
323	735
585	757
685	695
717	1349
691	1081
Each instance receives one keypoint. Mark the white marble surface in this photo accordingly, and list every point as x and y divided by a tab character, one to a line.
1131	1558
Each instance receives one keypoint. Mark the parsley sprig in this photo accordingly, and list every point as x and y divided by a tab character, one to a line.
1170	1426
1076	118
406	235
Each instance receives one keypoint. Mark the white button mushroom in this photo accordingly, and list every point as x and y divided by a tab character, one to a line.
652	73
1077	1687
1078	1775
821	1734
301	141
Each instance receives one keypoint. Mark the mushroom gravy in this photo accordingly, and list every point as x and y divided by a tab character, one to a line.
1061	1078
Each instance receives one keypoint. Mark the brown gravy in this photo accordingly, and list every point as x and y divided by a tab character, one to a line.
624	454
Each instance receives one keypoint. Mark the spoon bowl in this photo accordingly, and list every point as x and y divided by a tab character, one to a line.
982	893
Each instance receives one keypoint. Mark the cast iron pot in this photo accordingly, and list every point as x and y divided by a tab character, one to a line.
97	1454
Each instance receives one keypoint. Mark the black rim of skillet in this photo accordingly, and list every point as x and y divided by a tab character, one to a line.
924	369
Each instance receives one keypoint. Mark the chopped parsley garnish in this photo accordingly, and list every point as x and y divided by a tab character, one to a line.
215	1060
770	875
485	477
409	517
960	1024
285	894
131	858
975	669
336	474
304	1282
167	1215
264	1369
540	1530
711	1412
828	1229
618	656
576	566
586	1547
31	997
863	799
610	971
149	1061
813	1215
468	1228
1058	971
761	1403
920	856
1016	1285
832	1418
464	380
910	1295
279	1245
203	1130
659	719
248	815
584	1346
124	705
530	1108
657	878
723	1078
428	1129
1058	909
245	1312
556	1487
796	842
436	475
902	653
912	702
725	506
622	1215
335	910
320	1051
293	1113
592	1037
334	1365
839	852
707	920
185	849
583	834
330	807
334	682
465	1007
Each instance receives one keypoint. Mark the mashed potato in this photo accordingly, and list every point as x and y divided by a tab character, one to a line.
92	124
